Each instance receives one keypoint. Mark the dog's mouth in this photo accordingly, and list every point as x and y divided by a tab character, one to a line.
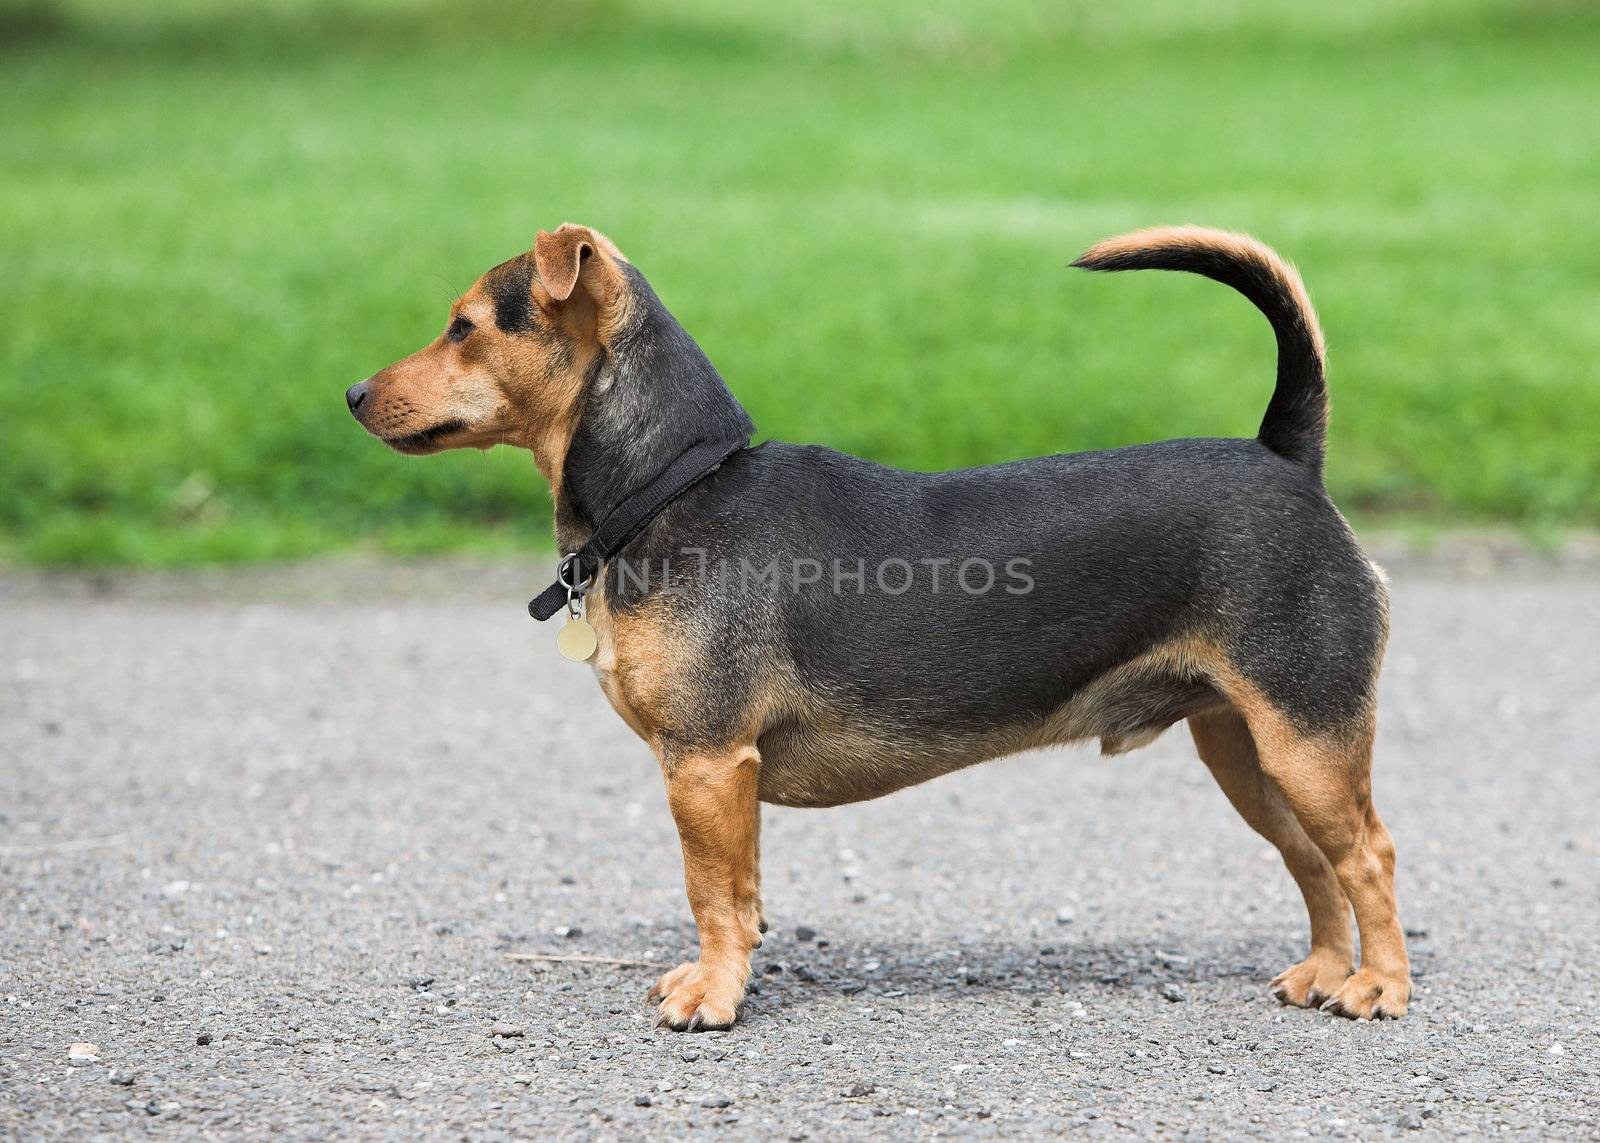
424	442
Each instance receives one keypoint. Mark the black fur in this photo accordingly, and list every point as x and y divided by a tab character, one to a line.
1296	421
647	402
1233	542
1128	548
510	285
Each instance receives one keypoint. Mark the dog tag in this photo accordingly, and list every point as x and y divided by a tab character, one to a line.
577	640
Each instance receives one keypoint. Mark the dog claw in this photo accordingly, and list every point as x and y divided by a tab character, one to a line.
1311	983
1333	1006
694	999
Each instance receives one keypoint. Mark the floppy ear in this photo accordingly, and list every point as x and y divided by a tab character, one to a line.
563	257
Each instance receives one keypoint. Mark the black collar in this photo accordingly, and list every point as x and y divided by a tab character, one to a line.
628	519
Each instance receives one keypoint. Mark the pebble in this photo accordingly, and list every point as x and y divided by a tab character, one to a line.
1173	994
420	983
500	1028
203	1039
82	1054
1066	915
642	1101
805	933
569	932
715	1099
121	1078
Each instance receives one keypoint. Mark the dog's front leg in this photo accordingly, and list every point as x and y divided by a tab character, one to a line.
713	800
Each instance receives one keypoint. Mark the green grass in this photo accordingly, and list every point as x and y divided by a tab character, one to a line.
210	224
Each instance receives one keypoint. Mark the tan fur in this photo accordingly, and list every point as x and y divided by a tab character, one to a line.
637	661
1326	781
525	391
713	801
577	263
819	752
1239	246
1223	741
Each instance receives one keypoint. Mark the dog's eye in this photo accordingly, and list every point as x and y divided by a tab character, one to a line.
459	329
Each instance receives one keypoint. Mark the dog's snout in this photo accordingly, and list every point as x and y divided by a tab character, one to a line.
354	395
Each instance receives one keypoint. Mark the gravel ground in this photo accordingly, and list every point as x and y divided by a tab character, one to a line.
266	842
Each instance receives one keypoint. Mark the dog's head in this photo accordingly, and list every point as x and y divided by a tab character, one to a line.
510	366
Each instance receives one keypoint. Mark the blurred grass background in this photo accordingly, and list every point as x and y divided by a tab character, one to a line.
215	216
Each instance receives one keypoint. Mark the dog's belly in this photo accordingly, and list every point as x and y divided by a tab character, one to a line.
817	764
831	759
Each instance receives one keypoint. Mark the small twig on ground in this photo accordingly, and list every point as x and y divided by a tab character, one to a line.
573	958
74	845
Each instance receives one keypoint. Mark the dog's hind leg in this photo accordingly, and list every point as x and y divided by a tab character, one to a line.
713	799
1224	743
1326	779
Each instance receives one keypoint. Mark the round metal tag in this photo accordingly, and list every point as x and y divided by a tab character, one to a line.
577	640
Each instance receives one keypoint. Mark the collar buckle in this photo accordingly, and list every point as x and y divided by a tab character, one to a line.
574	576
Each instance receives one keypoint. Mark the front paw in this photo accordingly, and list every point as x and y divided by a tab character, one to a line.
1311	982
1372	994
697	997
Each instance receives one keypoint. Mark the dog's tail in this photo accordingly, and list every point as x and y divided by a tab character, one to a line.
1296	423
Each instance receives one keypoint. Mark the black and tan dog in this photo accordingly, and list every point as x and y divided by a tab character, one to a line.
1206	580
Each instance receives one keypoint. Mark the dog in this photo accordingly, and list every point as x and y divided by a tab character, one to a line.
1211	581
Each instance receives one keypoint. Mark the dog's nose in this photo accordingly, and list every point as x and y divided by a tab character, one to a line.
354	395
